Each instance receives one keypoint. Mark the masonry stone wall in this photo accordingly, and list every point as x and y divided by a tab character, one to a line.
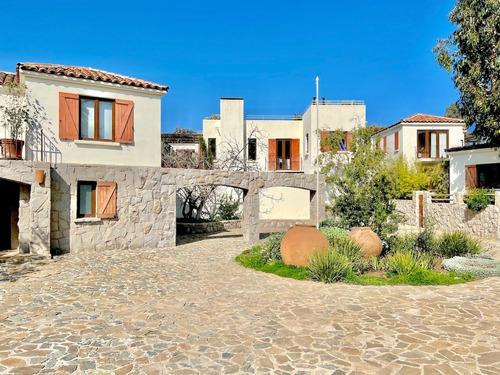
454	215
34	204
146	204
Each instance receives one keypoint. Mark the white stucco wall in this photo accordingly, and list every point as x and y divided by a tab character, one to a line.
408	137
459	159
281	203
146	149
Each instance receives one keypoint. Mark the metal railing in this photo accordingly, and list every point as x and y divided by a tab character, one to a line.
39	147
425	153
442	198
274	117
287	166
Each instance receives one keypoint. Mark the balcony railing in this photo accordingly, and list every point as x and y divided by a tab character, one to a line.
39	147
430	153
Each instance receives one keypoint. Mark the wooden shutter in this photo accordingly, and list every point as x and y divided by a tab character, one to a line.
106	200
124	121
295	154
272	154
470	176
348	140
385	143
396	141
69	116
325	144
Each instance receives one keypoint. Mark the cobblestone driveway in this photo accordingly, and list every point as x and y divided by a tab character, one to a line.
192	310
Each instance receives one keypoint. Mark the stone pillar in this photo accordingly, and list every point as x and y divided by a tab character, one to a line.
40	216
314	196
250	217
24	219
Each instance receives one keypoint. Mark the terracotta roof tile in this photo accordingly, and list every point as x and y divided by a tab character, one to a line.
419	117
89	73
6	77
423	118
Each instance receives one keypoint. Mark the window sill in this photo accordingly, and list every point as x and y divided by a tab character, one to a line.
80	142
83	220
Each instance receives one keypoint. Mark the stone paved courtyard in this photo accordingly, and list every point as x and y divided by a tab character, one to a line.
191	309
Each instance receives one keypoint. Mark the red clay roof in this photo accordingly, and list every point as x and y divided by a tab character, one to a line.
89	73
6	77
422	118
419	117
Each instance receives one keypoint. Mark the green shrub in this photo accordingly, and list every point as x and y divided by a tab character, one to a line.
458	243
344	246
329	222
271	249
333	234
402	264
478	199
329	267
426	240
227	208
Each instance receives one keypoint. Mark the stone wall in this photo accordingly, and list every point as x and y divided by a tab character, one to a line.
146	203
34	204
454	215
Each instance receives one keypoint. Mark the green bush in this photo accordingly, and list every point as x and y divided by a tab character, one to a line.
333	234
402	264
458	243
329	222
227	208
329	267
344	246
478	199
271	249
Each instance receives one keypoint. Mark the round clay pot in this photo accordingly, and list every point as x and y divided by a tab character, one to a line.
370	243
300	243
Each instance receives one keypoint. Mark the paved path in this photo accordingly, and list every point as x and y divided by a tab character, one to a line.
192	310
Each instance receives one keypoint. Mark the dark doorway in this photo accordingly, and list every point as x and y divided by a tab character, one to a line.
9	215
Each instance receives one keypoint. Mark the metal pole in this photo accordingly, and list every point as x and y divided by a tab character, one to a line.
317	152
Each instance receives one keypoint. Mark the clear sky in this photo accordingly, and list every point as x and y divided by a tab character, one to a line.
268	52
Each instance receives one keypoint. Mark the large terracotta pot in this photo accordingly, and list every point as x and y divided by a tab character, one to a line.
370	243
12	148
300	243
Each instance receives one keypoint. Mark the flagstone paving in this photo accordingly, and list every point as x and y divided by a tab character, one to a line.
192	309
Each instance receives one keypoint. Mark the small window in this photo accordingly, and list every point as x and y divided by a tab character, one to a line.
252	149
96	119
212	147
96	199
307	143
86	199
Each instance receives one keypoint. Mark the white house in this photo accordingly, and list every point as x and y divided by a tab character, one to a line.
278	143
474	166
90	116
421	137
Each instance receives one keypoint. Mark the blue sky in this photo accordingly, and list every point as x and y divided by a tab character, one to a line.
268	52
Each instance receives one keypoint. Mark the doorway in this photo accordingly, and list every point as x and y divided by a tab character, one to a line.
9	215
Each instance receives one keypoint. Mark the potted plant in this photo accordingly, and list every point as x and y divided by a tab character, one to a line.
14	114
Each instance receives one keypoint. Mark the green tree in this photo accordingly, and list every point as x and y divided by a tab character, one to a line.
472	55
362	189
453	111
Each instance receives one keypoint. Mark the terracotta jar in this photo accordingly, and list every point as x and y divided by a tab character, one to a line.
370	243
300	243
12	148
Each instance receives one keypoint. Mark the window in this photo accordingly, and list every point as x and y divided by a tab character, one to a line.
96	199
252	149
212	147
284	154
86	199
396	141
431	143
96	119
329	137
488	176
307	143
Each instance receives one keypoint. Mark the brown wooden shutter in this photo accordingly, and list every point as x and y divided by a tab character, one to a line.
470	177
124	121
396	141
106	200
295	154
385	143
69	116
348	140
272	154
325	144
